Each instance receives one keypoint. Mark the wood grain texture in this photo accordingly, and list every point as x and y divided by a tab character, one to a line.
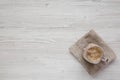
35	36
77	51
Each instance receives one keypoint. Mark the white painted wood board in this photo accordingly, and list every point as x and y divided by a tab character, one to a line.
35	36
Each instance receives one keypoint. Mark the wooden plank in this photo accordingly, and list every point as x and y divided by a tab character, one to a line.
35	36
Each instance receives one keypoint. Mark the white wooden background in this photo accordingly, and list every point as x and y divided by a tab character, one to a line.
35	36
